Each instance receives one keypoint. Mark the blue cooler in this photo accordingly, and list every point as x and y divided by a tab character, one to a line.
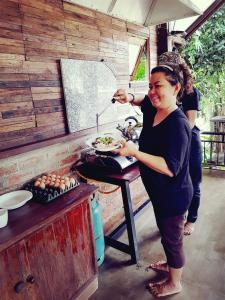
98	231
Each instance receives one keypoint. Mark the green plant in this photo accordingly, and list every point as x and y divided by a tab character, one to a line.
141	70
205	54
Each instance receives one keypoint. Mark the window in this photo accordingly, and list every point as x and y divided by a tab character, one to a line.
138	59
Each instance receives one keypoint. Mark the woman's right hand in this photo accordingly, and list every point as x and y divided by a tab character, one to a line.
121	96
127	148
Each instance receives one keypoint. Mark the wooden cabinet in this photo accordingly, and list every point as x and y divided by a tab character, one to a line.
50	254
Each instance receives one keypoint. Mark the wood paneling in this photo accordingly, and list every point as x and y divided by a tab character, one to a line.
34	36
40	243
13	94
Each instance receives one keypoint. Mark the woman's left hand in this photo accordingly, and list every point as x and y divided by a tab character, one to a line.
127	148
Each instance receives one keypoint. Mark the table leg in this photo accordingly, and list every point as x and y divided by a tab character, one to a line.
129	217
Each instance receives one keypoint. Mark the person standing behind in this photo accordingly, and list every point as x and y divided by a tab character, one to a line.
163	155
189	103
190	106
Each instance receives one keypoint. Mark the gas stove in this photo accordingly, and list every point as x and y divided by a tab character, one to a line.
106	160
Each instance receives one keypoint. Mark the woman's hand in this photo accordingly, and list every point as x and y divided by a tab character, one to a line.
127	149
121	96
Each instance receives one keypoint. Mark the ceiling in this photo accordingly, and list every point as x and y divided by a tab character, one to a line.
144	12
183	24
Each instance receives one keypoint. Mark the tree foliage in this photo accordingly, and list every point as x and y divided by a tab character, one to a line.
141	70
205	54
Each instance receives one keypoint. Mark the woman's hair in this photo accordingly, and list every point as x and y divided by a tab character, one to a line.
179	65
172	76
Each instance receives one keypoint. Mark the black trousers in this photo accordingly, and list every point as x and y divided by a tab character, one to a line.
195	167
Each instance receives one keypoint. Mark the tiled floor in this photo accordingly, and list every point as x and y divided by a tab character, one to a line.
204	273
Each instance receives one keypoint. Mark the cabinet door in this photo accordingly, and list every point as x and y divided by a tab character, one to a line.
81	235
11	275
50	256
61	256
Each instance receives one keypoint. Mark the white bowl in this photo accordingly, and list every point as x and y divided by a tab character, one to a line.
3	217
116	136
15	199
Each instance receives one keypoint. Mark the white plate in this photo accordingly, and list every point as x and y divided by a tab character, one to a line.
15	199
91	141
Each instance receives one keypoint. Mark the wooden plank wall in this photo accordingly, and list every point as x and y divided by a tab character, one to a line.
34	35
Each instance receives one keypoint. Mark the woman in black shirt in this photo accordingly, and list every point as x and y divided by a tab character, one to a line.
190	104
163	155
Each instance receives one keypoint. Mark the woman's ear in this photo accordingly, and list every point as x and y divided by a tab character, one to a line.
177	88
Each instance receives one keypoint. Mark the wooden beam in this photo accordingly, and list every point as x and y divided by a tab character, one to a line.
111	6
162	38
203	18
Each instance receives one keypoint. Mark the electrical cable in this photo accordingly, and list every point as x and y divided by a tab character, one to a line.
93	180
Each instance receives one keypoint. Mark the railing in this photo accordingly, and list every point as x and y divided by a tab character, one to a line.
213	144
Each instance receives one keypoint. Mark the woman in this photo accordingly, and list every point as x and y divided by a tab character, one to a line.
190	105
164	156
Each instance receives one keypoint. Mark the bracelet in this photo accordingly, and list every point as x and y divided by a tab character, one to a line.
133	98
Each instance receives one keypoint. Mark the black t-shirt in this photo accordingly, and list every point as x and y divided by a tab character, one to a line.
191	102
170	139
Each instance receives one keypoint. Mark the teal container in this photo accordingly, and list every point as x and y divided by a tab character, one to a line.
98	231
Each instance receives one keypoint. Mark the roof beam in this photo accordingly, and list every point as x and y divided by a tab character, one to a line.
111	6
203	18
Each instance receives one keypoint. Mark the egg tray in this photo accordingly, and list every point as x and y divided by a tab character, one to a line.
49	193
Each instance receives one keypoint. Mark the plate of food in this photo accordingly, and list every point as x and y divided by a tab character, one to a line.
15	199
104	142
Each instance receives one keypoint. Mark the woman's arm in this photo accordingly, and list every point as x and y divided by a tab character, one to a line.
156	163
191	106
191	116
123	97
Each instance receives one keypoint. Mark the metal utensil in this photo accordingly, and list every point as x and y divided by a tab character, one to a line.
99	114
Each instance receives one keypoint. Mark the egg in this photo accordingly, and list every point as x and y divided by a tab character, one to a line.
37	183
56	185
62	186
42	185
67	183
72	180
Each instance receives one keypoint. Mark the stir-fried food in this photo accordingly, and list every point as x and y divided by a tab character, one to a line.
105	142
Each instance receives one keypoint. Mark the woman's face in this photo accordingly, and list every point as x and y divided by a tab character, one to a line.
161	93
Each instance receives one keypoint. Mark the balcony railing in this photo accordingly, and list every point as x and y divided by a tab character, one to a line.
213	144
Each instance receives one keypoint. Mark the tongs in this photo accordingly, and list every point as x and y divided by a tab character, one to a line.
99	114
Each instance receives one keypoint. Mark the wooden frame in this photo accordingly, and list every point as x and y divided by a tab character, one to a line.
143	48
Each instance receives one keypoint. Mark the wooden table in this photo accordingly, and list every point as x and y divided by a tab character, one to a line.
123	180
